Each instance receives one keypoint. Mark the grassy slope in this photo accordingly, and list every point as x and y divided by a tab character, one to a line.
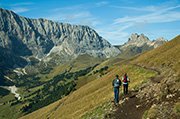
164	58
81	62
93	94
167	55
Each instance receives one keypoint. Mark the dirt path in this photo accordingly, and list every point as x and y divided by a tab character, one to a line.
159	73
130	106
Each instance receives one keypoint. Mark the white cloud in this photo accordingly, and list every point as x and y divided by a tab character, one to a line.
118	32
151	18
78	18
20	9
161	15
148	8
75	7
20	4
101	3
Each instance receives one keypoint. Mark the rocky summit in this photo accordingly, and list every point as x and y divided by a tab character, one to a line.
48	40
140	40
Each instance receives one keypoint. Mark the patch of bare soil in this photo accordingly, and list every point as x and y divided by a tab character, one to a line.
130	107
157	98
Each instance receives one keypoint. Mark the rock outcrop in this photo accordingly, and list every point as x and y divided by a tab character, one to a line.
140	40
47	40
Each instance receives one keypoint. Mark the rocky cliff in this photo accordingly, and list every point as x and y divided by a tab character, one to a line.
140	40
49	41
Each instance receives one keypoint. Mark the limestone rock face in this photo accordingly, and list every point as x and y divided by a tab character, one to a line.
140	40
46	39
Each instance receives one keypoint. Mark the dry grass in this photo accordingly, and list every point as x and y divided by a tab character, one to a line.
167	55
80	63
91	95
100	90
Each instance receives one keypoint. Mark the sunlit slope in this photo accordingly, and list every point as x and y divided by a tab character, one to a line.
91	95
80	63
165	56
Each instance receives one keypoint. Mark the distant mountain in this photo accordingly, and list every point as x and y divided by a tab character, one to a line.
154	90
140	40
138	44
47	42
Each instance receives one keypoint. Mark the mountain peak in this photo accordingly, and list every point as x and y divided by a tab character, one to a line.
162	39
159	42
137	40
46	39
140	40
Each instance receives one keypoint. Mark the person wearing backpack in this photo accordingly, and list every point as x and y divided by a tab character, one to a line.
125	81
116	84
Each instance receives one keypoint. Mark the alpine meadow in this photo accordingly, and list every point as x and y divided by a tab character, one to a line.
55	70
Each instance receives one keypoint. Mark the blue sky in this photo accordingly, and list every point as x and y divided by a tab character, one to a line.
114	20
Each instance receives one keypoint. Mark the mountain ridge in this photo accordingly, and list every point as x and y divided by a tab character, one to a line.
140	40
153	80
41	35
47	42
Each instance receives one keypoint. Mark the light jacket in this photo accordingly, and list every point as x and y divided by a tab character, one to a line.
127	80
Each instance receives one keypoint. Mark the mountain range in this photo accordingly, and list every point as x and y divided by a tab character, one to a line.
153	90
50	61
33	43
25	41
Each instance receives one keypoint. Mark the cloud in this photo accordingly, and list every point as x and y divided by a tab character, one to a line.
101	3
148	8
78	18
127	1
20	4
158	16
119	31
20	9
82	18
75	7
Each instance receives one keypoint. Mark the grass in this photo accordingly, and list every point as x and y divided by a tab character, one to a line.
3	92
177	108
150	114
7	98
165	56
90	96
80	63
100	112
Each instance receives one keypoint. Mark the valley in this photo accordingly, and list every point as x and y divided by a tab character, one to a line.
13	90
58	70
154	89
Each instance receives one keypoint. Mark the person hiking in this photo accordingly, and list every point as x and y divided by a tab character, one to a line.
116	84
125	80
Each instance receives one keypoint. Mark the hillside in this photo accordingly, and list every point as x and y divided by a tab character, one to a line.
29	45
155	75
47	61
159	96
137	44
46	87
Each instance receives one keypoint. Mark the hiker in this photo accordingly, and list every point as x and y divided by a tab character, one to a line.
125	80
116	84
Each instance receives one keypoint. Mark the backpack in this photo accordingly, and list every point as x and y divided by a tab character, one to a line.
117	83
125	79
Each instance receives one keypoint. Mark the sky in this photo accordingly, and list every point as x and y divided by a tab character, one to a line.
114	20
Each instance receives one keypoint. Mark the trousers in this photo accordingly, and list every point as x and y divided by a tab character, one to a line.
116	94
125	88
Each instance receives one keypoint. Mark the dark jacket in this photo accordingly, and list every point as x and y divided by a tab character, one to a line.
116	83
